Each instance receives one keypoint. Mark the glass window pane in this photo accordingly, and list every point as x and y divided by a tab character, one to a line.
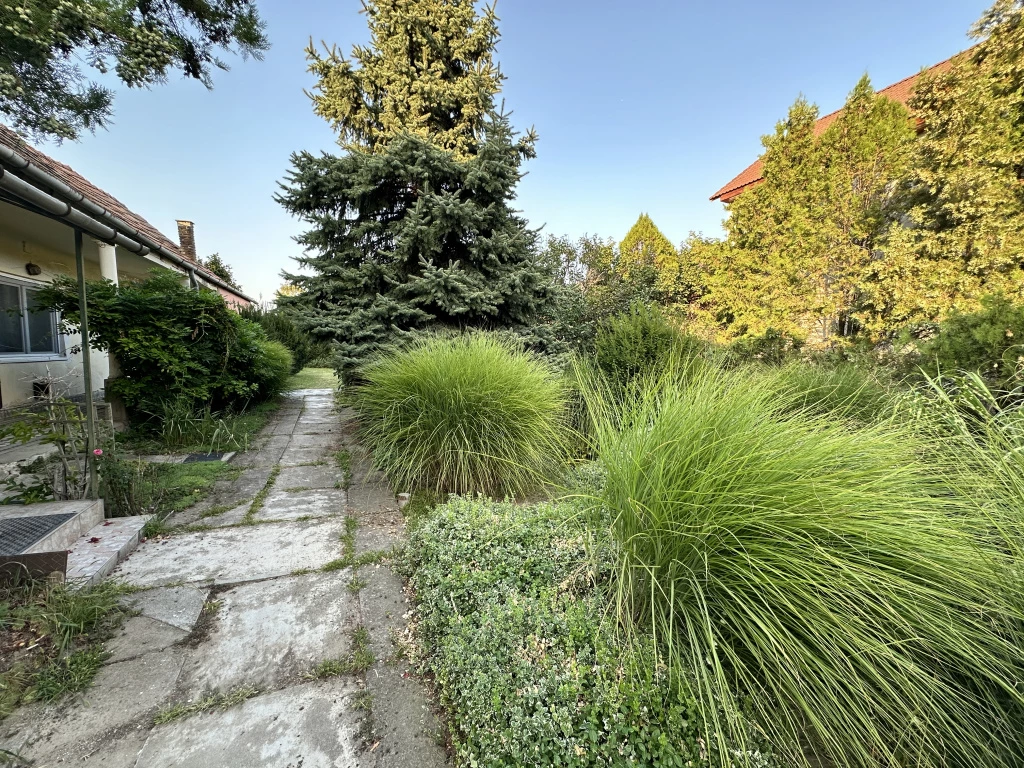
41	326
10	320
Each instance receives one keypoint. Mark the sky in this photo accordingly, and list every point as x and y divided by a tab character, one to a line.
641	106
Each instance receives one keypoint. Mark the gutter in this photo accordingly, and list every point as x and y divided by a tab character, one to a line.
99	222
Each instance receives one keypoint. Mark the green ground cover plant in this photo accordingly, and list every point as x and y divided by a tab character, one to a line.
50	638
530	672
464	414
135	487
811	574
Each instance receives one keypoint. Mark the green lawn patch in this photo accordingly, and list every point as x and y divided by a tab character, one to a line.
313	378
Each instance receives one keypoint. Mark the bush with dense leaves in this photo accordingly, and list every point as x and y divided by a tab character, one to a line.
640	342
173	343
280	326
525	663
463	414
989	342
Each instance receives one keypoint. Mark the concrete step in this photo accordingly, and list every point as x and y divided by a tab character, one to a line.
51	526
101	548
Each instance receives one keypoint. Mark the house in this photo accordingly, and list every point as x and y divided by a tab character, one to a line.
752	175
45	207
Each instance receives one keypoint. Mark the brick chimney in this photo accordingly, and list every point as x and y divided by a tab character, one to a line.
187	239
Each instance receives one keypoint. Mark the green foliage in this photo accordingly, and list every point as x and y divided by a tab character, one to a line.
313	378
430	242
283	327
174	344
428	71
523	662
802	242
813	575
44	93
61	627
639	343
137	487
215	264
772	347
987	342
647	250
843	391
466	414
276	369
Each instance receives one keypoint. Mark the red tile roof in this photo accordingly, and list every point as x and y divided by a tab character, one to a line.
89	190
752	175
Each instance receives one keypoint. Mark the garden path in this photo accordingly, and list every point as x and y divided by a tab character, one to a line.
237	603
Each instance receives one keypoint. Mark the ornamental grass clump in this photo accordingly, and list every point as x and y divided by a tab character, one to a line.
811	578
468	414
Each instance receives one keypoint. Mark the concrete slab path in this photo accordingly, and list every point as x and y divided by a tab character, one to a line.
265	632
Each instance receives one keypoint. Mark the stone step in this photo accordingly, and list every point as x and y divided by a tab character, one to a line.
100	549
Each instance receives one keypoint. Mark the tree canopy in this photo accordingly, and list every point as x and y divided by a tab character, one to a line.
428	71
45	94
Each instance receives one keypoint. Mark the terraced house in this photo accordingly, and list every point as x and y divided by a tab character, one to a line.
45	207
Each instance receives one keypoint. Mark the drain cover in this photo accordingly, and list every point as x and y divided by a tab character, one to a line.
19	533
192	458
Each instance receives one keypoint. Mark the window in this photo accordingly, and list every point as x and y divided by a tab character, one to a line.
26	330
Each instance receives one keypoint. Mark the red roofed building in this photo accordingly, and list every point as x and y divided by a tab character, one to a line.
899	92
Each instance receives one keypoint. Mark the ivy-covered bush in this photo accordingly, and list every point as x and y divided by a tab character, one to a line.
526	663
173	343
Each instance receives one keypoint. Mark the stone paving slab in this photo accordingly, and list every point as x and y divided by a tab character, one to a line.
231	493
232	517
230	555
308	477
285	505
270	633
306	726
139	636
122	698
298	455
177	606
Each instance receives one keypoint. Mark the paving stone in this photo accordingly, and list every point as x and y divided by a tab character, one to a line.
232	517
230	555
327	442
177	606
308	477
122	698
140	635
285	505
269	633
296	455
311	725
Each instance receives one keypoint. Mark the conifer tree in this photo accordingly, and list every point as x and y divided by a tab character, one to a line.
412	227
429	70
645	254
965	237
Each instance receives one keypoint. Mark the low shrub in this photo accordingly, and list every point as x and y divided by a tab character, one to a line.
274	370
466	414
814	575
525	666
640	342
773	347
989	342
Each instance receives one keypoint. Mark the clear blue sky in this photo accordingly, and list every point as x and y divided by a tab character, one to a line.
641	105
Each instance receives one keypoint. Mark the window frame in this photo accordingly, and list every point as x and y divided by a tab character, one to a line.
29	356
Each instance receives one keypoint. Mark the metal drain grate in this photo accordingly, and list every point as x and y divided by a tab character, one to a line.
194	458
19	533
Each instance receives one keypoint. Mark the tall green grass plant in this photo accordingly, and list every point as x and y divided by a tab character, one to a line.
811	575
468	414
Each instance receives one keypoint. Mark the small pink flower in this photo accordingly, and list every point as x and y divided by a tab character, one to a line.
98	452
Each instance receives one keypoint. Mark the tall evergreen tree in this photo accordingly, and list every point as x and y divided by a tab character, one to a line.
775	239
429	70
412	228
803	242
412	239
646	254
965	237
